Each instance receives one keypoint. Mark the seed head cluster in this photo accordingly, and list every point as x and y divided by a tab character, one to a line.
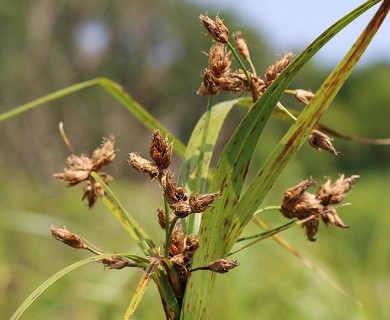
310	208
79	169
219	77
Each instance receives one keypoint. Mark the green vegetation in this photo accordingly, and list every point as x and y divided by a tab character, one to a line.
355	261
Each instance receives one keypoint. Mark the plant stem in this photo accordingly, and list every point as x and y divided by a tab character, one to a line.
252	66
269	208
230	46
263	235
169	234
167	227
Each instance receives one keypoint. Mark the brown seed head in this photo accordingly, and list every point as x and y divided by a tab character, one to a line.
209	85
311	228
319	140
142	165
277	68
67	237
222	265
161	151
79	169
333	193
217	30
181	209
241	45
104	155
219	60
200	203
172	192
115	262
330	216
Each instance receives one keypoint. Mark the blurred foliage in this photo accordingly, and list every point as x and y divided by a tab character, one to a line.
153	50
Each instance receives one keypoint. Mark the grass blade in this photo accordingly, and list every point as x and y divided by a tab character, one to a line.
116	91
141	289
38	291
127	220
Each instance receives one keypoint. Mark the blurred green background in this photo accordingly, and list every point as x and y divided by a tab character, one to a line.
153	50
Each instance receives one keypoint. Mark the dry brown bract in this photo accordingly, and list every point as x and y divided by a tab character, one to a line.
309	208
241	45
79	168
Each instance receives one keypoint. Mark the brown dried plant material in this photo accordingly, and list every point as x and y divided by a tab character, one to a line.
200	203
222	265
274	70
79	168
319	140
142	165
216	28
71	239
303	96
241	45
115	262
334	193
309	208
219	60
172	192
161	150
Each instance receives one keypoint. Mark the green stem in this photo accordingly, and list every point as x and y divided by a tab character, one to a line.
169	235
235	54
167	227
269	208
252	66
263	235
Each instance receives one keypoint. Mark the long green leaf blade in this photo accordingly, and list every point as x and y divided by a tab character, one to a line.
116	91
38	291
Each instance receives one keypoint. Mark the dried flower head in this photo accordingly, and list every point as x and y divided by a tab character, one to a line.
80	168
222	265
219	60
309	208
172	192
277	68
161	151
200	203
115	262
216	28
241	45
320	140
142	165
333	193
67	237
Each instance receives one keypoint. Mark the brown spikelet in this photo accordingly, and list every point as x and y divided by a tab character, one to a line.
303	96
142	165
67	237
277	68
216	28
219	60
319	140
161	150
115	262
200	203
241	45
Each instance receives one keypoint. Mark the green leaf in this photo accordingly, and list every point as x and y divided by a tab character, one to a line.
126	219
116	91
38	291
222	224
141	289
189	168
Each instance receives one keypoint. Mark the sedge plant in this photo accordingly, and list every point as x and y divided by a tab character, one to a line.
204	210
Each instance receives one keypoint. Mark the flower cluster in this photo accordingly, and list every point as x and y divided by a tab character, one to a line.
309	208
80	168
218	77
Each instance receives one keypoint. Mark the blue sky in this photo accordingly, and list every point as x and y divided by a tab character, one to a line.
291	25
